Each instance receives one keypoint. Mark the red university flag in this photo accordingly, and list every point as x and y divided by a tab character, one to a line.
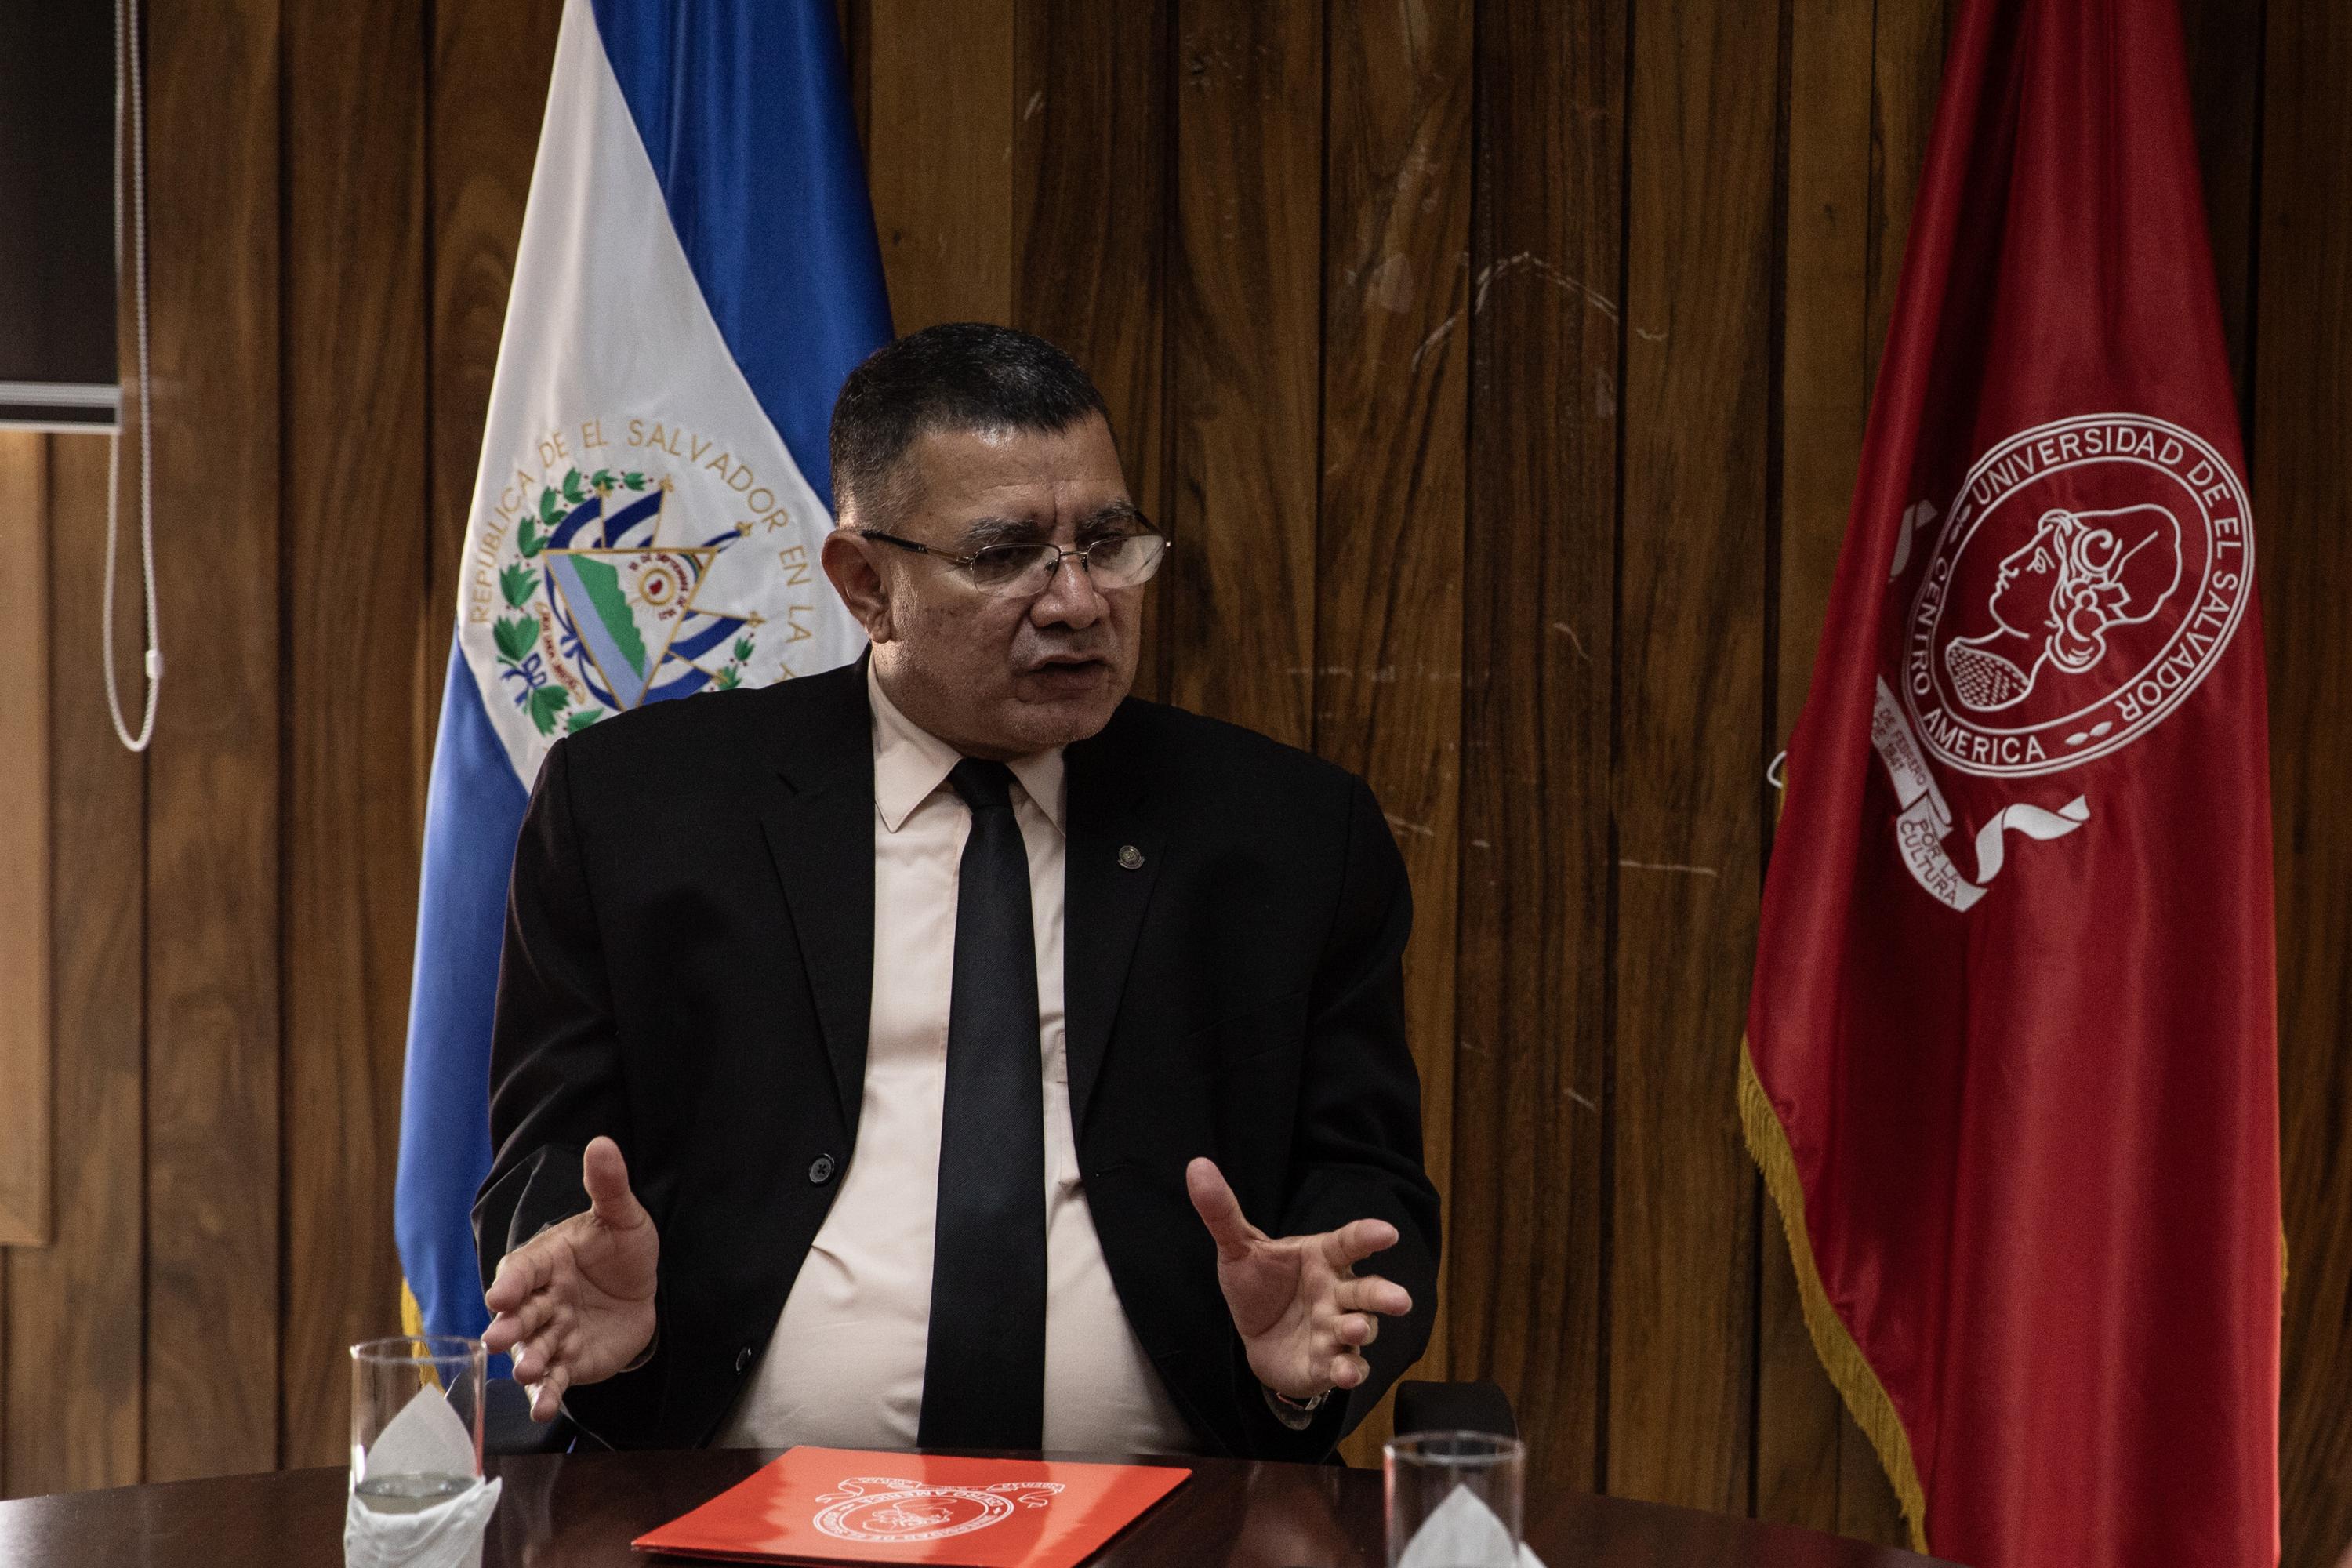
2011	1066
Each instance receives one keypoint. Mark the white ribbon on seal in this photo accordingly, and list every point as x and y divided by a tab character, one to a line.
1924	820
2030	820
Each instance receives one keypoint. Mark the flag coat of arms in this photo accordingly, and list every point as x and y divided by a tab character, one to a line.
2012	1064
696	275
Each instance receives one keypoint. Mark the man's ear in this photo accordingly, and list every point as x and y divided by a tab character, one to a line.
849	561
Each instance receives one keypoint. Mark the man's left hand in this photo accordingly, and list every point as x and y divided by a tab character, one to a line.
1304	1314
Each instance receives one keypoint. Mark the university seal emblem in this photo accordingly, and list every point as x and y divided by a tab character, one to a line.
909	1510
2088	575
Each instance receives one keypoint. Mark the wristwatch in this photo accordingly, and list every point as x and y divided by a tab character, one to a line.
1294	1414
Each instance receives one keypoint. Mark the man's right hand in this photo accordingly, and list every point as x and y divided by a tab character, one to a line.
575	1303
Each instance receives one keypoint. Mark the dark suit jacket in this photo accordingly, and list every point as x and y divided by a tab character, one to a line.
688	967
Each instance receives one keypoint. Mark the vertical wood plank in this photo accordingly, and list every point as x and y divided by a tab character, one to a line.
24	884
1091	204
2303	424
1824	376
941	127
1824	399
1689	787
75	1354
857	21
2224	48
1906	76
487	91
1388	569
356	616
1868	1509
213	1143
1526	1260
1245	329
1863	84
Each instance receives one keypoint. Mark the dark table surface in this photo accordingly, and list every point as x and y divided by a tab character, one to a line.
573	1510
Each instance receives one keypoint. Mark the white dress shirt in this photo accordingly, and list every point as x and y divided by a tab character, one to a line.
846	1366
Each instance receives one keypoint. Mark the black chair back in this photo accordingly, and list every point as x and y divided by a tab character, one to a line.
1454	1408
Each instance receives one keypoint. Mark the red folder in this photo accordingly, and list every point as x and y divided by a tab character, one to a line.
848	1505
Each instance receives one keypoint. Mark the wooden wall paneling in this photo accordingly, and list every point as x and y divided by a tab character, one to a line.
1246	333
1090	209
1868	1509
24	884
356	582
855	20
1824	377
1527	1257
939	157
74	1377
1689	793
1172	192
1906	74
2223	41
2303	424
1824	400
214	818
486	93
24	868
1389	555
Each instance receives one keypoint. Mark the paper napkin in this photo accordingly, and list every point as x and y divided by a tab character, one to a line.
427	1438
1464	1530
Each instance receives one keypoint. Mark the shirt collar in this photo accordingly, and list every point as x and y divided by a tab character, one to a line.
909	763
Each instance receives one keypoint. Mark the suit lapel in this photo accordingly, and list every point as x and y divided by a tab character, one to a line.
819	821
1106	891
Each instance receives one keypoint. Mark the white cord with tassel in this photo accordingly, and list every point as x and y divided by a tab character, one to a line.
126	49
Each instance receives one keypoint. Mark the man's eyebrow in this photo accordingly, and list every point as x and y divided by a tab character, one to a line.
1117	514
984	531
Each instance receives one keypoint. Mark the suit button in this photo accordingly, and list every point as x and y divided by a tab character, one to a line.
742	1360
821	1170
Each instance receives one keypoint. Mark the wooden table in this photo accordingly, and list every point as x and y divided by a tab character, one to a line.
582	1509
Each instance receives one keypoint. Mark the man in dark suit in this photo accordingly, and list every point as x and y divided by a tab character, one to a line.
953	1010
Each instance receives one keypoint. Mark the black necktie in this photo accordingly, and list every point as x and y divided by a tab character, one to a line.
984	1368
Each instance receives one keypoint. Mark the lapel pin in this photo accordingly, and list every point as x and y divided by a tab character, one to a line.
1130	857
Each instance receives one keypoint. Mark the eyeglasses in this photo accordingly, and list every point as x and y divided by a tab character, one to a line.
1023	571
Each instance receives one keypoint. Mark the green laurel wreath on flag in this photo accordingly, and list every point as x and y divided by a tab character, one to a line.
516	633
731	676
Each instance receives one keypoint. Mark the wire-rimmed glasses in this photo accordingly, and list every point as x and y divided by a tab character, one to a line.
1024	571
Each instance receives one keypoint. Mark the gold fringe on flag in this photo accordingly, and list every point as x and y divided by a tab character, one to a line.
412	1316
1767	1145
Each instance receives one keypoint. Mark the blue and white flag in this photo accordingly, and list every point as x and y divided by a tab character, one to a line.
697	274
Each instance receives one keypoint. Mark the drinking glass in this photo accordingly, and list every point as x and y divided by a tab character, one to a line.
1464	1486
416	1420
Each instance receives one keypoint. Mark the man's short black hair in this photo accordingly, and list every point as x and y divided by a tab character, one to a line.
958	375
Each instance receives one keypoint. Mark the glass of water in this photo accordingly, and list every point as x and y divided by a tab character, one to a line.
416	1420
1453	1500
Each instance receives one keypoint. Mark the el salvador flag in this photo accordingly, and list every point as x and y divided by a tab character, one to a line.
697	274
